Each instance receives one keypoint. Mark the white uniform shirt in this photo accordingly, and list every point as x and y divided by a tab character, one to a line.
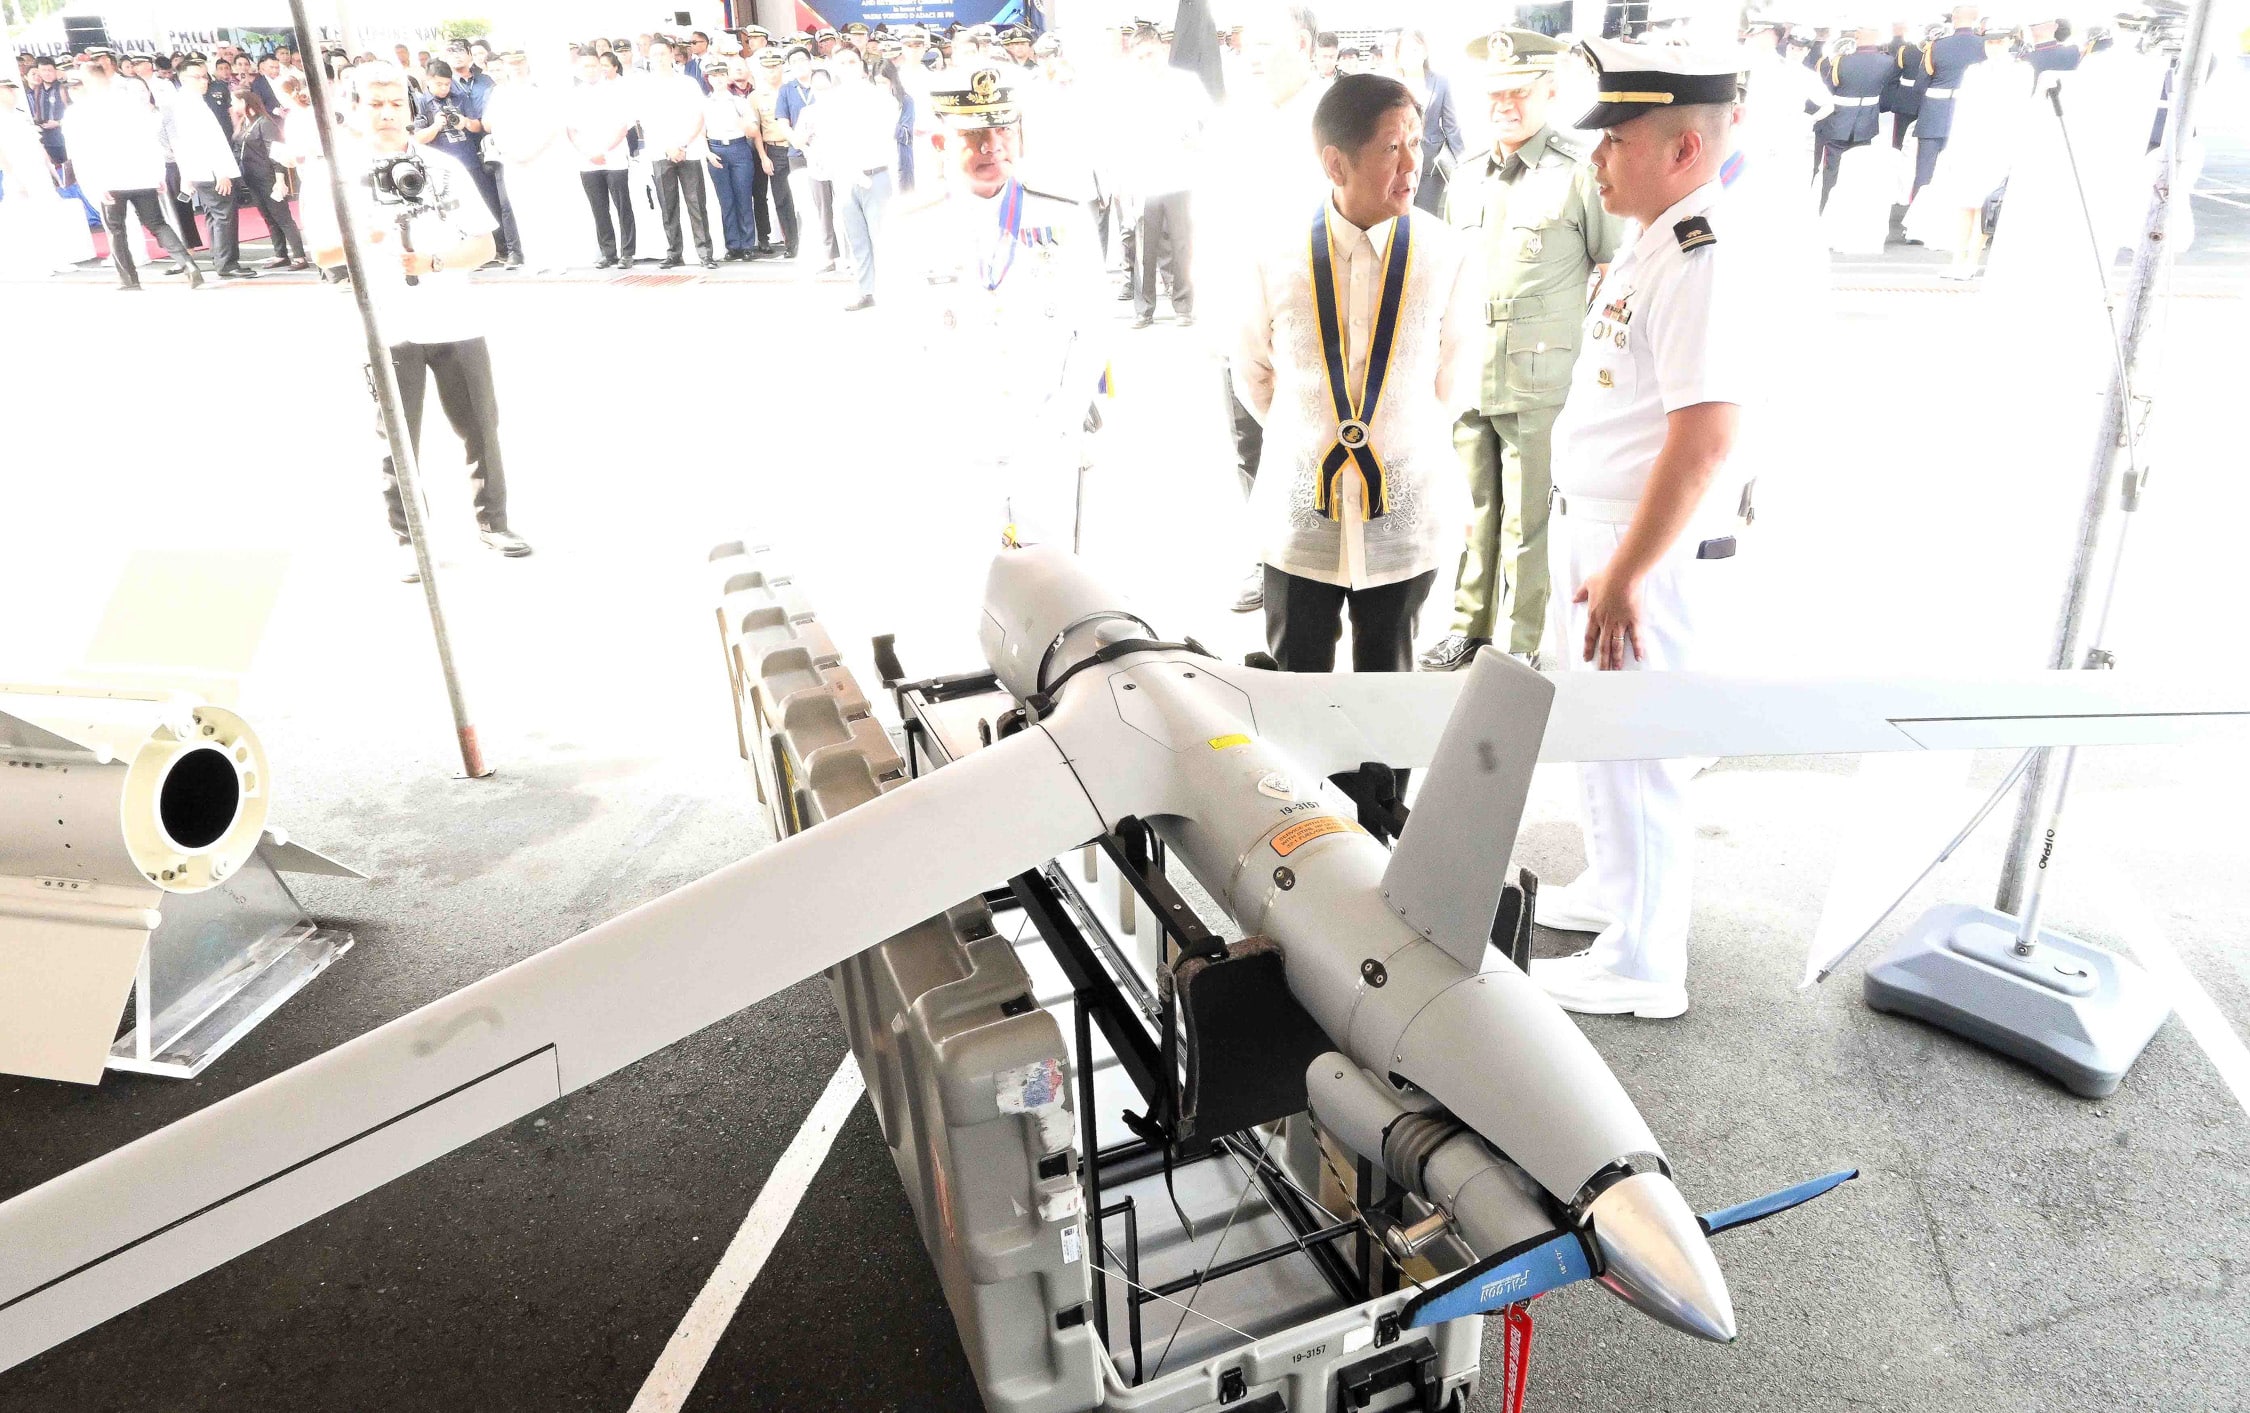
439	308
1436	361
595	111
198	146
726	117
671	108
114	142
1669	328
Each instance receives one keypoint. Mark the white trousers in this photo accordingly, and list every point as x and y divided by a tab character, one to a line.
1639	836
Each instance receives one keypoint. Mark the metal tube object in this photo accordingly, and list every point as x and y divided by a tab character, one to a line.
385	378
2036	814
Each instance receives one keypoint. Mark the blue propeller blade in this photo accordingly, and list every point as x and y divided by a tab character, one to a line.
1505	1278
1758	1208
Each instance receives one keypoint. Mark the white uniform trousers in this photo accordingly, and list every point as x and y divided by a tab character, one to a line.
1639	837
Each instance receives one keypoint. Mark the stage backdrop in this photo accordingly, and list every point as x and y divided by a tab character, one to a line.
837	13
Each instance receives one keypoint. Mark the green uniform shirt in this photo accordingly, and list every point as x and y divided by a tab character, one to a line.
1544	231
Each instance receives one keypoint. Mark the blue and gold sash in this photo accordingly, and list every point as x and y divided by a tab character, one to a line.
1355	418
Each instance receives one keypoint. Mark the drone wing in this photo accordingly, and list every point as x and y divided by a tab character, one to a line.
1335	721
132	1223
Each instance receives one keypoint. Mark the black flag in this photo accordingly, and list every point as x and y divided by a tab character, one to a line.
1195	46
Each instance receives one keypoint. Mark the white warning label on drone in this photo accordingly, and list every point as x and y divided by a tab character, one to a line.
1071	1241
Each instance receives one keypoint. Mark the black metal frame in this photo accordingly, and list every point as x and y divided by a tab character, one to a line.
1149	1059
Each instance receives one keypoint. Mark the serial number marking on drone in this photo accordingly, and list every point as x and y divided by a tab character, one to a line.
1297	835
1313	1353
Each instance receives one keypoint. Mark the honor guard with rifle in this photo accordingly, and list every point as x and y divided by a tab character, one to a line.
1857	77
1946	58
1532	206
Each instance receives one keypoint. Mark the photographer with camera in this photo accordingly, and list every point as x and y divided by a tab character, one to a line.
451	119
421	229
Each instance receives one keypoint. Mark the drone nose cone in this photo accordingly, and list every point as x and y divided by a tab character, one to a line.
1655	1257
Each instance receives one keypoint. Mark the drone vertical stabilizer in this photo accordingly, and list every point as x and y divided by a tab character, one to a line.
1446	874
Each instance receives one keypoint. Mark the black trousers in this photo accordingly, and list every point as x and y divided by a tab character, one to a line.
281	226
1927	150
508	245
464	386
488	187
1831	162
148	204
226	238
673	179
1305	617
774	188
606	189
1900	122
1249	436
1162	237
182	198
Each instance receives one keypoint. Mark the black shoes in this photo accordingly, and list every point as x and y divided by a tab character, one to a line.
510	544
194	276
1452	653
237	272
670	262
709	263
606	262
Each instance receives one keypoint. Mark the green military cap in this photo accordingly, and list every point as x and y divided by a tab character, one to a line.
1516	58
985	103
855	27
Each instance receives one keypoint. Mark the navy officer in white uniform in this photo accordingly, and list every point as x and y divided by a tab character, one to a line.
1649	493
999	288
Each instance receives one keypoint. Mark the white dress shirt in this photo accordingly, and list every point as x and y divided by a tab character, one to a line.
1669	328
671	108
114	142
198	145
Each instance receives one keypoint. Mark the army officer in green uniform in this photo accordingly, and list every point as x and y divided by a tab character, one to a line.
1543	233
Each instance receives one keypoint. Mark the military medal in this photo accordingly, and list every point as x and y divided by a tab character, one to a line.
1354	419
1011	221
1532	245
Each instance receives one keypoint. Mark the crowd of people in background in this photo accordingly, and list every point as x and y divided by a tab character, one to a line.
752	146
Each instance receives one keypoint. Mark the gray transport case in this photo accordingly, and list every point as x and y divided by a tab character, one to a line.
968	1029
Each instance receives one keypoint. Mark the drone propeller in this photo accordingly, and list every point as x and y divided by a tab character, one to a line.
1530	1269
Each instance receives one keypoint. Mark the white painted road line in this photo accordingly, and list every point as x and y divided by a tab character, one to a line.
2190	1002
681	1364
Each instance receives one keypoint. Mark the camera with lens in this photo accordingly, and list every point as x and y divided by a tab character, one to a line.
400	180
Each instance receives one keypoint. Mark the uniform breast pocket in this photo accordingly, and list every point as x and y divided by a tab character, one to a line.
1541	241
1540	354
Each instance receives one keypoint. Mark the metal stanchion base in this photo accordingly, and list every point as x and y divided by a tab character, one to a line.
2070	1009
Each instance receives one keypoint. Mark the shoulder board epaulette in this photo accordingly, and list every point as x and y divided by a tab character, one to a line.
1054	196
1568	146
1694	233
